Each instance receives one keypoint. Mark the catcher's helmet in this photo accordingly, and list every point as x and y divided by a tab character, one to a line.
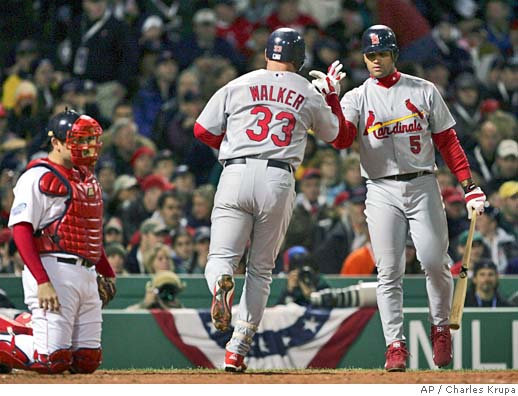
286	45
81	134
61	123
379	38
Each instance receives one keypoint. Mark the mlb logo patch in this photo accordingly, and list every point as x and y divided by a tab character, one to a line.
276	56
277	48
375	40
90	191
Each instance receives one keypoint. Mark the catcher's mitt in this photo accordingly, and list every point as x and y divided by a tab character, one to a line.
107	290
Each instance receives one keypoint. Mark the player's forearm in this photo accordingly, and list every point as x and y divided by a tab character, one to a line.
23	235
453	154
103	266
346	130
204	136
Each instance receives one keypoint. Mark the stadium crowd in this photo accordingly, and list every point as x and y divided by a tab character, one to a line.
145	68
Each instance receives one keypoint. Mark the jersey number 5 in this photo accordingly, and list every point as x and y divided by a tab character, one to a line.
264	125
415	143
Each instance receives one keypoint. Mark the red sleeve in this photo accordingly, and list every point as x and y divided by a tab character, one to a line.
206	137
103	266
453	154
23	235
346	130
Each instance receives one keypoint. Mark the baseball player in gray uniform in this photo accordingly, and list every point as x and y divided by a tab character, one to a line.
259	123
398	119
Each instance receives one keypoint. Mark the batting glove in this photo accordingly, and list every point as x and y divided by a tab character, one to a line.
328	84
475	200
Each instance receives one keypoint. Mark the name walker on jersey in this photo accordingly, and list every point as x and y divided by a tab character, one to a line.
276	94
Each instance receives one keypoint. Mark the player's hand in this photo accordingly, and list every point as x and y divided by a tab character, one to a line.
328	84
48	298
475	200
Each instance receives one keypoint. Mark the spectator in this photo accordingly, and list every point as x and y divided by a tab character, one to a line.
105	172
348	28
505	167
310	208
288	15
498	15
484	288
466	109
455	208
101	48
360	262
160	259
125	191
328	162
506	89
483	156
26	53
164	164
205	41
508	220
121	143
231	26
201	250
348	233
161	292
502	246
183	251
169	212
123	109
142	162
116	255
151	233
178	135
185	184
157	91
6	264
483	53
202	202
143	207
45	79
113	231
479	251
302	277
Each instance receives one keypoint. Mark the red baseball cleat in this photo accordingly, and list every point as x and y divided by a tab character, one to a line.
396	356
234	362
221	308
441	345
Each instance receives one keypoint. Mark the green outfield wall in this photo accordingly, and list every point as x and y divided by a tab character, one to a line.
488	339
130	289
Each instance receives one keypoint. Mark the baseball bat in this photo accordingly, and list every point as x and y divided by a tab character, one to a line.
457	307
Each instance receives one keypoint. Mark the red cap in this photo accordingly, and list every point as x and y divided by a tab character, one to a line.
156	181
452	195
144	150
341	198
311	173
5	235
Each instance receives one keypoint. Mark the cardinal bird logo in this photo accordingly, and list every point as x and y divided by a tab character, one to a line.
410	106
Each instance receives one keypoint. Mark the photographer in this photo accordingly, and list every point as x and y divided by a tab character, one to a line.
161	292
302	280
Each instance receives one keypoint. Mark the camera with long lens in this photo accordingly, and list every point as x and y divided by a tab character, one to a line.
361	295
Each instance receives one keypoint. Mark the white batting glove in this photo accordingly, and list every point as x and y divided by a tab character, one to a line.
475	200
328	84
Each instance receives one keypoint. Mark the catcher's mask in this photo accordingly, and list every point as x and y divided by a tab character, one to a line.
83	141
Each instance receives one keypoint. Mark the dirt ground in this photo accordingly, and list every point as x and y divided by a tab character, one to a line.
267	377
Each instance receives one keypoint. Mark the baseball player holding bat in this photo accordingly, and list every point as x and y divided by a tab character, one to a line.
56	219
259	123
398	119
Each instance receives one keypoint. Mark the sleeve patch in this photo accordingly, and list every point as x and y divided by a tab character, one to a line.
18	209
50	184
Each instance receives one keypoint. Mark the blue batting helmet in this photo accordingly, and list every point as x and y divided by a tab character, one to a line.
286	45
379	38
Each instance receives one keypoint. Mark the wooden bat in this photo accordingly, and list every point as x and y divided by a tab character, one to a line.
457	307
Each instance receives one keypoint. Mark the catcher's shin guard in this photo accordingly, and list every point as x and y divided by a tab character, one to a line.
86	361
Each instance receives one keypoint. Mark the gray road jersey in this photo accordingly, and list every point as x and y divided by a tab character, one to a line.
395	125
267	114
